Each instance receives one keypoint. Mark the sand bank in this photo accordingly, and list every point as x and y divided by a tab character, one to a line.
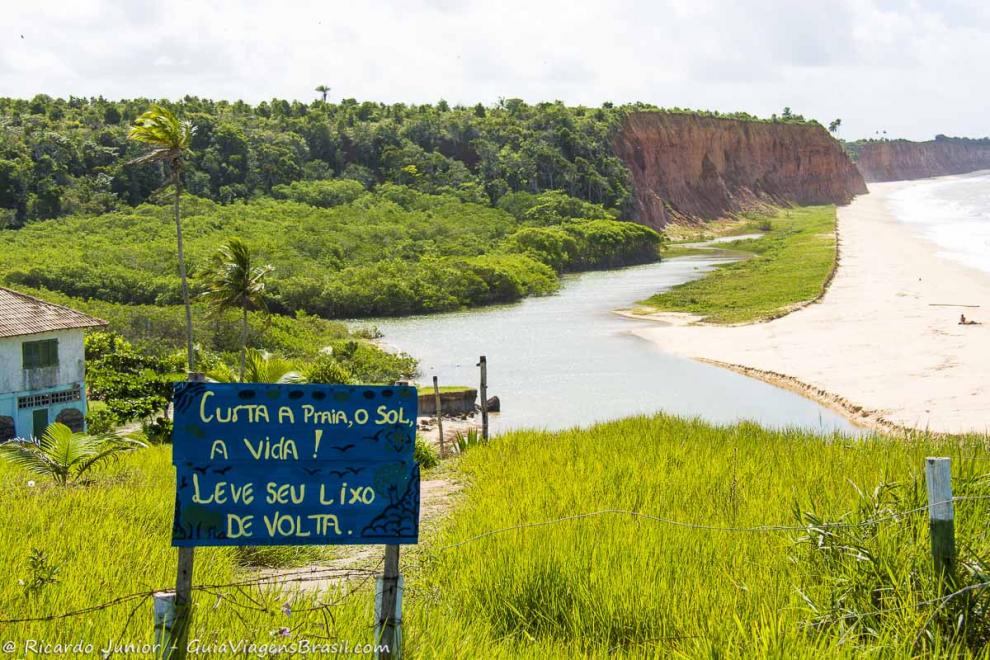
880	345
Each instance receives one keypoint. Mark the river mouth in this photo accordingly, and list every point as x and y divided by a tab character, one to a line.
568	360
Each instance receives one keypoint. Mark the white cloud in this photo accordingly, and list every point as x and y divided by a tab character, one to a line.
909	67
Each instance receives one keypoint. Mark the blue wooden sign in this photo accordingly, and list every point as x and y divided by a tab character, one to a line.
261	464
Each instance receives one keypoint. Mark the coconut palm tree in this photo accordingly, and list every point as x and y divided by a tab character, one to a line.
234	283
261	367
324	90
169	139
63	455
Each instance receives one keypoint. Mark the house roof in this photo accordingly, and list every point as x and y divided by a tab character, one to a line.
21	314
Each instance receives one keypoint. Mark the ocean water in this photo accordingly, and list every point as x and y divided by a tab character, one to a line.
951	212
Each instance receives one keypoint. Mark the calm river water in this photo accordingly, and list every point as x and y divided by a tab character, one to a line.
567	360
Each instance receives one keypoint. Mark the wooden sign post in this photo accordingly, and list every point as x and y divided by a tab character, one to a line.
264	464
173	611
183	580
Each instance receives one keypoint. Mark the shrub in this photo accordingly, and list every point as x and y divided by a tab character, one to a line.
324	193
425	454
101	420
103	282
554	207
611	244
550	207
134	385
465	441
550	245
328	370
158	431
369	364
42	573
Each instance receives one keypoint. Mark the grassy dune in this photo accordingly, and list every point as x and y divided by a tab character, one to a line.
610	585
792	264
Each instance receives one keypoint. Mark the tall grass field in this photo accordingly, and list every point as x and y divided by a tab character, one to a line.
647	537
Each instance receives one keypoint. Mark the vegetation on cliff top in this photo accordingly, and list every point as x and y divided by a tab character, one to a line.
855	147
610	585
791	264
65	156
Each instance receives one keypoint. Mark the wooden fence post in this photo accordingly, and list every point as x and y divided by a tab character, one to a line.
941	525
483	363
439	411
388	608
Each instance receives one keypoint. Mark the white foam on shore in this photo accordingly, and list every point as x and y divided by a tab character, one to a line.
951	212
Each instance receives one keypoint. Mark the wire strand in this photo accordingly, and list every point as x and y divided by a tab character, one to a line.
320	574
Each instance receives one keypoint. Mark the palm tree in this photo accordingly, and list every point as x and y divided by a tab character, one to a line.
63	455
169	139
235	284
324	90
262	367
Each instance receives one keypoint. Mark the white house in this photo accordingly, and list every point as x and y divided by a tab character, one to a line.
42	365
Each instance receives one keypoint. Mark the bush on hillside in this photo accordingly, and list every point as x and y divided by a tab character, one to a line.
326	369
324	193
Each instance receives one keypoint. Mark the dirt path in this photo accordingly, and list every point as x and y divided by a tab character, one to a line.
355	564
351	564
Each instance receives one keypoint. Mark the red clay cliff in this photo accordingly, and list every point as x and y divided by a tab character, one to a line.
688	168
897	160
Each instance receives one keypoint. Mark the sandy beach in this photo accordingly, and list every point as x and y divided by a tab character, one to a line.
881	345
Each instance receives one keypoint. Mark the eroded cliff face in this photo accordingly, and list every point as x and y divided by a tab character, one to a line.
897	160
689	168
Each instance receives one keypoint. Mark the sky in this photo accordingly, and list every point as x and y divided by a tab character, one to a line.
912	69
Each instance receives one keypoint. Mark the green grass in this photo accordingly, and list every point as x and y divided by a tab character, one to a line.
428	389
611	585
792	264
605	586
672	250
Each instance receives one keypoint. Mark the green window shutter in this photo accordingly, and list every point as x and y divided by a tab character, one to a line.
38	354
29	350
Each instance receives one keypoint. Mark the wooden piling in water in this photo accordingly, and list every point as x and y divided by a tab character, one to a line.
439	413
483	363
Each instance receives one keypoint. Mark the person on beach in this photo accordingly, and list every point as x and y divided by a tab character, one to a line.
964	321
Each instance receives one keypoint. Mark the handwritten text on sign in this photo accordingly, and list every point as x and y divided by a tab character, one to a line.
260	464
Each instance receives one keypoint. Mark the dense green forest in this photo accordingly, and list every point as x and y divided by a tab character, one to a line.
66	156
355	253
60	157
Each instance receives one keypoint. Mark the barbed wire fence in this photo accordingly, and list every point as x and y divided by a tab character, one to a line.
353	580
